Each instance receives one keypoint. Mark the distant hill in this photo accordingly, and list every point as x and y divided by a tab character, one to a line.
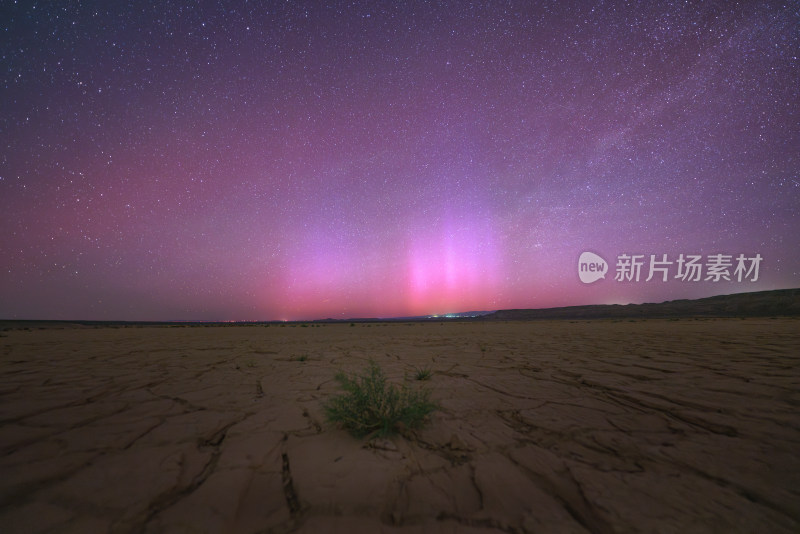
780	302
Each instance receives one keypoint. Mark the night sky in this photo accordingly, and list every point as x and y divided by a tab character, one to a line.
289	160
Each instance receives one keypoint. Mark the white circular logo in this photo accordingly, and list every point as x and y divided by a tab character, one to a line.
591	267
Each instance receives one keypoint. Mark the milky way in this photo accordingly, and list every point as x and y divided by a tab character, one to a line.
258	161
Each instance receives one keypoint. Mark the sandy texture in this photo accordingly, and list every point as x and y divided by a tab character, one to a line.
646	426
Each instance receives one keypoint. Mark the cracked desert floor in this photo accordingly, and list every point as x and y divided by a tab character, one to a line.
548	426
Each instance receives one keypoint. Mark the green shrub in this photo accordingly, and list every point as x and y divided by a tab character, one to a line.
371	406
423	373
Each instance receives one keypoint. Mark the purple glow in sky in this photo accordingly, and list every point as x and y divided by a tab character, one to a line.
289	160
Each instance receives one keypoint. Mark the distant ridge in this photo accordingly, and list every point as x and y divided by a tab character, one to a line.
779	302
775	303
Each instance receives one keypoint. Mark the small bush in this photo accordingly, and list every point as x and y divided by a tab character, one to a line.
423	373
371	406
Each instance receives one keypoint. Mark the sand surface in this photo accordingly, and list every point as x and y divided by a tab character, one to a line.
603	426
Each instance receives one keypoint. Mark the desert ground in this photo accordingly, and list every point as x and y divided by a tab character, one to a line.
544	426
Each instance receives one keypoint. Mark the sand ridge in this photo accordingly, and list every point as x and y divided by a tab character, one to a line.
544	426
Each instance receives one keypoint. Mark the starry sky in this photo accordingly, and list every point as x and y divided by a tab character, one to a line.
299	160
